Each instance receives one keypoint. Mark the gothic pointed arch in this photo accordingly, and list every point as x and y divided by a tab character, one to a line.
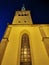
25	55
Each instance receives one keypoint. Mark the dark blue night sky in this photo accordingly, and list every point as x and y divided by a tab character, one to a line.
39	11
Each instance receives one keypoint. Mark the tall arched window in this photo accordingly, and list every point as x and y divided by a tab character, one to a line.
25	57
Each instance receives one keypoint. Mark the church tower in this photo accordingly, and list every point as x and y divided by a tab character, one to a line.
22	17
25	43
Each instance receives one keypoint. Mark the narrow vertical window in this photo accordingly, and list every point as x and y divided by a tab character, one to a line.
25	57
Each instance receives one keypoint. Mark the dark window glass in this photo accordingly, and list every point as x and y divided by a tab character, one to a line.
25	21
19	21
